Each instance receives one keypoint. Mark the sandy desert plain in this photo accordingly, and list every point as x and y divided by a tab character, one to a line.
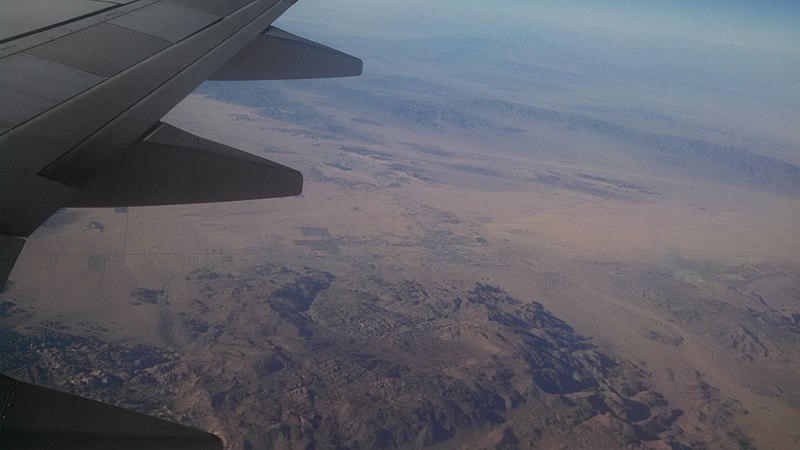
474	263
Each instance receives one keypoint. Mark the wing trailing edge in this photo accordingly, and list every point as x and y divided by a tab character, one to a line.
278	55
171	167
37	418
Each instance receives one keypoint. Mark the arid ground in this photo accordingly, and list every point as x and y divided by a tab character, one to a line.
532	256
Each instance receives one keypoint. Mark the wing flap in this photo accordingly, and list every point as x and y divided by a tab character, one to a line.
37	418
278	55
10	247
106	58
31	16
30	85
171	166
166	20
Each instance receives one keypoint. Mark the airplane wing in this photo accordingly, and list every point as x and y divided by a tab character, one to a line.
84	83
36	418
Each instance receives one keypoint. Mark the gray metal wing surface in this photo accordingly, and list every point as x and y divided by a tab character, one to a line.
37	418
84	83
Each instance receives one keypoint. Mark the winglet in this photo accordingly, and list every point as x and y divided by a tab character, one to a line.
278	55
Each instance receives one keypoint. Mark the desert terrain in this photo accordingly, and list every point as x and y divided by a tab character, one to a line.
528	256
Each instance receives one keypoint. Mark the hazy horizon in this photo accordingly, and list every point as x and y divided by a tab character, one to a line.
770	25
735	46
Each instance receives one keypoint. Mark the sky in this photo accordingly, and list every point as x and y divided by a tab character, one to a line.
773	24
751	47
766	24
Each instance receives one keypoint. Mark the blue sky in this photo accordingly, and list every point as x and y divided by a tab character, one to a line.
762	24
769	24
